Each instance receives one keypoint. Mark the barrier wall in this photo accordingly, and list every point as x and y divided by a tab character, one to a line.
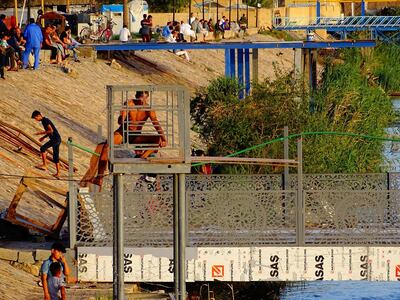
264	16
246	264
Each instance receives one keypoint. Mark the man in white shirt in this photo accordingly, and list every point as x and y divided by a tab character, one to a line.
186	30
124	34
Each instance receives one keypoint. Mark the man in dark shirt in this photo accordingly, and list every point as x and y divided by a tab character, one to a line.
3	27
51	132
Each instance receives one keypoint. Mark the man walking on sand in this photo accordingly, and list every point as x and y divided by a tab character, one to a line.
51	132
57	256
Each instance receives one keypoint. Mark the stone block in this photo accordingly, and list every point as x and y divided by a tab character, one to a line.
45	55
41	255
26	257
8	254
87	52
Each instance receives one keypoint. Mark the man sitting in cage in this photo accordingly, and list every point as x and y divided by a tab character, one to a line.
131	123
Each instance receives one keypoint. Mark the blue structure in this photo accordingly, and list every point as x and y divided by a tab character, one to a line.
237	54
379	26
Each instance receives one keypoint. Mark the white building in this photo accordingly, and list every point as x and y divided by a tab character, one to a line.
136	10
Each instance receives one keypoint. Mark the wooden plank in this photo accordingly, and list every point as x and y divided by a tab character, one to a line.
17	197
34	222
26	224
37	184
242	160
32	139
60	220
48	199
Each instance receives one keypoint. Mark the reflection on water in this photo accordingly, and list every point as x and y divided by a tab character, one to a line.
392	149
344	290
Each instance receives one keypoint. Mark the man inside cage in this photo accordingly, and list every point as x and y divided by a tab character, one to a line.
131	123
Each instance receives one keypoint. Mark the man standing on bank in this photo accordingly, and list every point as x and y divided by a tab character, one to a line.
51	132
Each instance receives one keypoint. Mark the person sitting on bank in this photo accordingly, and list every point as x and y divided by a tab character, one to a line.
51	132
132	121
124	34
69	42
243	23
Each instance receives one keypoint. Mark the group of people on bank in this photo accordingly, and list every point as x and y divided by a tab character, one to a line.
21	49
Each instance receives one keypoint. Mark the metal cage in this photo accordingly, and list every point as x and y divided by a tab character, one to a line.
140	119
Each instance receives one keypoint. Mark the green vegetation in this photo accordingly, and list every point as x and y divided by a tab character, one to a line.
351	97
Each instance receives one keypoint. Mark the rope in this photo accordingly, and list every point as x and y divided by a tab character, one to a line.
296	135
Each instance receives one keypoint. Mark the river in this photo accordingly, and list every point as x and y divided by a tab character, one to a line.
343	290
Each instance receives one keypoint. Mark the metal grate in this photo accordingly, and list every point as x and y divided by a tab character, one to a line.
352	217
244	210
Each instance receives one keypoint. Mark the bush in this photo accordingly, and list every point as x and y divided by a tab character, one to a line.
346	101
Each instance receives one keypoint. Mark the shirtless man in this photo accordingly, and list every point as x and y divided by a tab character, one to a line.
133	121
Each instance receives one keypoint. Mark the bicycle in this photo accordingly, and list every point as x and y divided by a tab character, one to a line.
99	35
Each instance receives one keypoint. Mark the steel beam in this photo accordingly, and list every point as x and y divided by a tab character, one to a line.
232	45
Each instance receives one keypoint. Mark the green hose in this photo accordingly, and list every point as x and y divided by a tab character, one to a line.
262	145
82	148
292	136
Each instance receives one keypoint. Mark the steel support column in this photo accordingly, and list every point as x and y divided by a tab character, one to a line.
300	197
176	235
182	236
118	249
247	71
255	65
240	71
285	183
318	10
363	8
227	63
233	66
71	198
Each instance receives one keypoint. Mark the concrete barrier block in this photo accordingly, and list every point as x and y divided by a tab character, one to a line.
41	255
8	254
87	52
26	257
45	55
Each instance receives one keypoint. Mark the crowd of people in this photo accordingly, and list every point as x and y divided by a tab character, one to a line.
21	49
195	29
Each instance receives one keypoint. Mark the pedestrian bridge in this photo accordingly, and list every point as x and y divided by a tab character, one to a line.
241	222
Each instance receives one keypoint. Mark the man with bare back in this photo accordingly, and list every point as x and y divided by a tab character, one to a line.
131	124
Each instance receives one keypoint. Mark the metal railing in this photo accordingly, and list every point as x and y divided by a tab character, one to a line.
243	210
387	23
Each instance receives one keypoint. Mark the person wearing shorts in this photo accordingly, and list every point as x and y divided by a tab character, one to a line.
51	132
